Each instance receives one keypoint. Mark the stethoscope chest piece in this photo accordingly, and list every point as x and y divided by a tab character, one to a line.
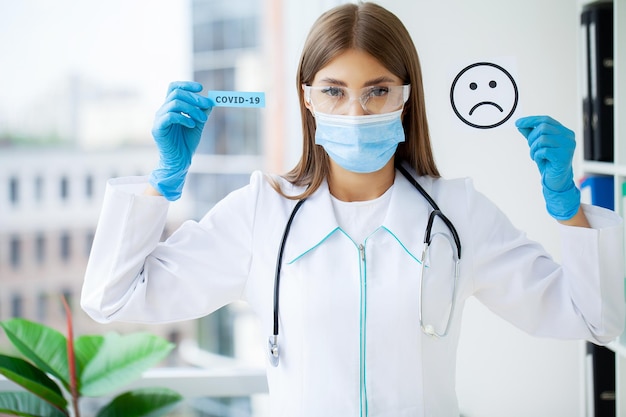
272	349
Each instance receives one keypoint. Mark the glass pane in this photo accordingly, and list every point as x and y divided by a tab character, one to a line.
80	90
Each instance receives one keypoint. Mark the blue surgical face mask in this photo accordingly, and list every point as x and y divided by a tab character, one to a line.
360	144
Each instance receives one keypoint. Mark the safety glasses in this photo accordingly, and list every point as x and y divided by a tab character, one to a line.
373	99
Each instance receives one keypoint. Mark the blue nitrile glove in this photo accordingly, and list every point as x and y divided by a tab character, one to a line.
552	148
177	129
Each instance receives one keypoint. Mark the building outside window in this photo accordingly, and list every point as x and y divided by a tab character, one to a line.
226	45
94	127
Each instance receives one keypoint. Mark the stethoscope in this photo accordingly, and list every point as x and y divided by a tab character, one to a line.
436	212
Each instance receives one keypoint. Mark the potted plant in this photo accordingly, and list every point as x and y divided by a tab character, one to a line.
56	371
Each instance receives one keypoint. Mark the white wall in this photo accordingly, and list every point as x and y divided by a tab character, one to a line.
501	371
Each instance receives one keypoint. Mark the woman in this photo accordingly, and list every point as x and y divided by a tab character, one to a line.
363	324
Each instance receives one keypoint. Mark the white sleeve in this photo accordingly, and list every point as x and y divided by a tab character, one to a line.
132	276
581	298
594	261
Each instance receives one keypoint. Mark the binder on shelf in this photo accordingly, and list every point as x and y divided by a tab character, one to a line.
602	380
588	152
598	114
624	206
598	190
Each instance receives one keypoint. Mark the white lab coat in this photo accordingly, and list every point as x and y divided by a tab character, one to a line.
350	337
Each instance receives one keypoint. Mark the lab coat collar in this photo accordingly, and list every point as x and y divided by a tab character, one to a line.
315	221
408	213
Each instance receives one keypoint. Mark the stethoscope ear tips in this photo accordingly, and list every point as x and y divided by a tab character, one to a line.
272	345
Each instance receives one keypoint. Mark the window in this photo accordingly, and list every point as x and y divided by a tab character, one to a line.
95	125
215	30
17	305
15	252
249	35
208	189
89	187
40	249
65	246
202	38
64	188
14	190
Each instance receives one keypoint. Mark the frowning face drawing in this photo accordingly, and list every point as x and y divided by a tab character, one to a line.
484	95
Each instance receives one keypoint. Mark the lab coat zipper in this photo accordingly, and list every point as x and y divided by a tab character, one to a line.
363	315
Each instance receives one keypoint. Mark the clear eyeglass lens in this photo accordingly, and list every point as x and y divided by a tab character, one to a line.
373	100
438	283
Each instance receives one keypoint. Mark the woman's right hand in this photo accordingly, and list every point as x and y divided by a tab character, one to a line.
177	130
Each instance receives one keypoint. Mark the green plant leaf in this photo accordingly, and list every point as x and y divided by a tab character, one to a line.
44	346
120	360
32	379
148	402
27	405
85	348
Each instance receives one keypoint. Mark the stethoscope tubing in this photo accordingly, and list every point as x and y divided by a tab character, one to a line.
435	213
279	262
273	340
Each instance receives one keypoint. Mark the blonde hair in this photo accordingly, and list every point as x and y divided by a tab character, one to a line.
372	29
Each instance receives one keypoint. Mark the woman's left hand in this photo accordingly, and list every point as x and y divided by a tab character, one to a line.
552	148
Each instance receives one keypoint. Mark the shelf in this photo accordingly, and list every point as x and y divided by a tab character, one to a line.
605	168
616	169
